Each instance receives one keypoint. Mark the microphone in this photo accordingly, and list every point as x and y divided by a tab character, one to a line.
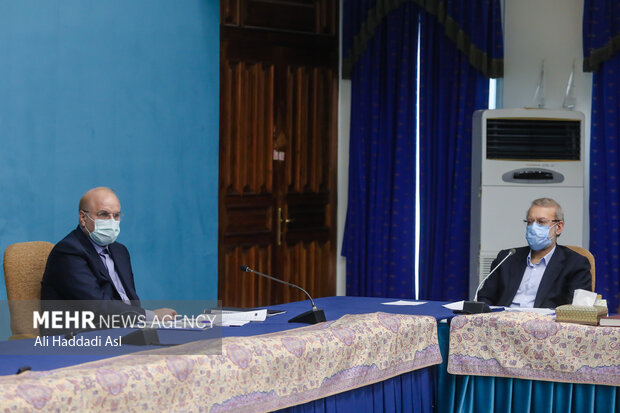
309	317
476	307
511	252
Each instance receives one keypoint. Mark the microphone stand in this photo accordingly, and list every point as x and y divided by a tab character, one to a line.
477	307
309	317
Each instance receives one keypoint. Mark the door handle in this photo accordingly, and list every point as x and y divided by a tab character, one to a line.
281	220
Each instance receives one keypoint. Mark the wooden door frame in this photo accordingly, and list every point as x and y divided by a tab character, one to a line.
243	49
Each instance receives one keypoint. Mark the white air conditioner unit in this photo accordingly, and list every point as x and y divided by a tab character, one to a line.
519	155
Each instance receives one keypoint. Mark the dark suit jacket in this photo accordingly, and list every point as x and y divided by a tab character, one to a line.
565	272
74	271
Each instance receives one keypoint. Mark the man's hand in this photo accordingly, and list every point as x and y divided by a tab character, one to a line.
160	313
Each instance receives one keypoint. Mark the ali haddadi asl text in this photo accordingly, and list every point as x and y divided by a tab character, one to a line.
80	341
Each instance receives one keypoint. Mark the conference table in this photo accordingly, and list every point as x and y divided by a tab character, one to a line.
527	362
368	356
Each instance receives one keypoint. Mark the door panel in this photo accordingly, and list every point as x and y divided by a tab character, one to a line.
245	287
246	181
309	16
278	98
246	124
306	265
308	124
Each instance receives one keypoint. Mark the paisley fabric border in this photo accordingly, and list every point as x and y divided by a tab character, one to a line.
253	374
535	347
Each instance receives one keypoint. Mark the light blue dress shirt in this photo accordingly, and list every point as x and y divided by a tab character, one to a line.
526	294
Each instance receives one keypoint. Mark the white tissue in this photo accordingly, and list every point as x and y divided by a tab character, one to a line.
584	298
600	303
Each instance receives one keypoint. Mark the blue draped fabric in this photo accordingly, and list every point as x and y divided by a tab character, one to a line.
353	18
478	394
450	90
473	25
601	32
379	230
380	45
408	393
601	37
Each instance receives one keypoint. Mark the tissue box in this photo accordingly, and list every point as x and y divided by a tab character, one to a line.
580	314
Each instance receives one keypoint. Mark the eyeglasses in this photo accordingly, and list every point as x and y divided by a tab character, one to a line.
541	221
103	214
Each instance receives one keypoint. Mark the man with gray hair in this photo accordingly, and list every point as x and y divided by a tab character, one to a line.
543	274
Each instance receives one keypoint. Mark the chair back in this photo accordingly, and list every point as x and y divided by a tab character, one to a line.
589	256
24	264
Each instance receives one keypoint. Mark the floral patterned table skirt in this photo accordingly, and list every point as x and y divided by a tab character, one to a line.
533	346
252	374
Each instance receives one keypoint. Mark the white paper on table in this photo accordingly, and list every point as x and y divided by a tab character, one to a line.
458	306
403	302
187	325
546	311
239	316
234	323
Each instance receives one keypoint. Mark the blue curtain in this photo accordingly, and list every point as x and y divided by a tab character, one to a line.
379	230
450	91
460	40
601	39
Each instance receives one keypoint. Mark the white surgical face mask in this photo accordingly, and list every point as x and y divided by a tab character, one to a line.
106	231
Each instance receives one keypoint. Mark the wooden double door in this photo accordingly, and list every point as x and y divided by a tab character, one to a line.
278	128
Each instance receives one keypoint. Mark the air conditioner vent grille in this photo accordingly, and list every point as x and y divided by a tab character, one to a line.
533	139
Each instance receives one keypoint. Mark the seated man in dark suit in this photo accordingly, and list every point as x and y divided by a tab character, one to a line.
88	264
543	275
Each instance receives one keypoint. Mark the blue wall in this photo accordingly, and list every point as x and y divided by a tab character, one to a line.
122	94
